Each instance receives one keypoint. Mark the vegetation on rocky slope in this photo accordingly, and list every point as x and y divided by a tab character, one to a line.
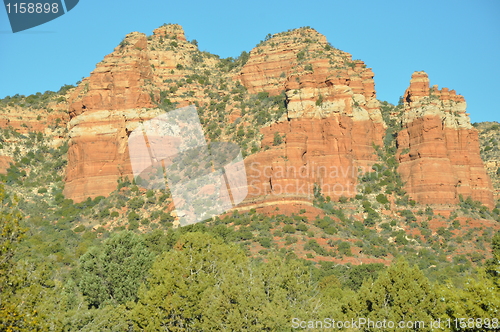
116	263
81	250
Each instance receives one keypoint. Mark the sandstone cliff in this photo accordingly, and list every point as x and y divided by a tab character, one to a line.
331	104
438	149
324	137
122	91
331	124
98	110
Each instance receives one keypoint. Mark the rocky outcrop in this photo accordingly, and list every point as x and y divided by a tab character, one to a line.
119	82
274	60
330	98
25	115
98	152
170	31
100	108
123	90
287	56
438	149
327	153
327	137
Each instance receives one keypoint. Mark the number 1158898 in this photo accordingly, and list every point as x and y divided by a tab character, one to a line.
32	8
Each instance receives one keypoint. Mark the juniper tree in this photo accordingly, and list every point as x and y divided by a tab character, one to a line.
113	272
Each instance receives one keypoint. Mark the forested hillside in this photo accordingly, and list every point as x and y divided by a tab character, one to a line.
116	263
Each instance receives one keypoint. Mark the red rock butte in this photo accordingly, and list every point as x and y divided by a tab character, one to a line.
438	149
328	132
332	120
109	104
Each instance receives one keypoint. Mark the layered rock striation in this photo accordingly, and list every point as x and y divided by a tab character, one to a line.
326	138
438	149
126	88
112	98
332	118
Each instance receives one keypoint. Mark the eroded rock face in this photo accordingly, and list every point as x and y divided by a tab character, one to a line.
101	108
122	91
326	137
285	58
438	149
171	31
119	82
328	153
273	61
98	151
332	121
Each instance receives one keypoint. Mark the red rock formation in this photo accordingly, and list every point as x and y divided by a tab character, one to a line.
170	31
119	82
332	121
108	105
438	149
99	109
329	152
291	54
331	125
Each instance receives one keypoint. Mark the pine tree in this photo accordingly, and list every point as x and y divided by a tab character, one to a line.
179	281
480	296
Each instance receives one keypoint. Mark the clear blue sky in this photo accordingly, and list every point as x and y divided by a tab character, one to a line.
456	42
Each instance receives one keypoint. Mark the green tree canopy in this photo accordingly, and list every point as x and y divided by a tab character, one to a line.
113	272
205	284
13	317
401	293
